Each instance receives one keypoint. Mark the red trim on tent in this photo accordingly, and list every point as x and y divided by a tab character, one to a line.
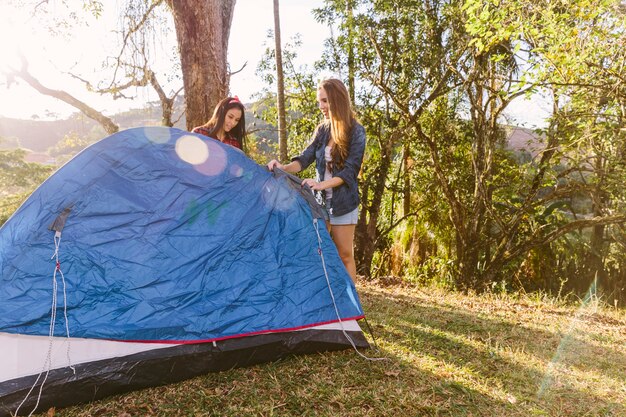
190	342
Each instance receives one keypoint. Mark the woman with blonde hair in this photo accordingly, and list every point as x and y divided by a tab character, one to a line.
337	149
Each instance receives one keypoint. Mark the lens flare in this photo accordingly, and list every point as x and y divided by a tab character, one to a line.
157	134
192	150
236	171
560	355
216	160
278	196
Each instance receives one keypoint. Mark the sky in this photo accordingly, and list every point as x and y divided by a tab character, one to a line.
51	58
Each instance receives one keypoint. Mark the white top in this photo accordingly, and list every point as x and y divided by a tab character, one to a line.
327	174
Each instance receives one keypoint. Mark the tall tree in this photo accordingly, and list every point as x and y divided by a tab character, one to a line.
558	48
280	86
300	90
350	48
203	29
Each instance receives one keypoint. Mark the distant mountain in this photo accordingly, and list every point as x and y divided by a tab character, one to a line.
41	135
523	140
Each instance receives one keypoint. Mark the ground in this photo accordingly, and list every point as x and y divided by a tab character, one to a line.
443	354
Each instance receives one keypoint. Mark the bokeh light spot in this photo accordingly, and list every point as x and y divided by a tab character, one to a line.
157	134
192	150
216	161
236	170
279	196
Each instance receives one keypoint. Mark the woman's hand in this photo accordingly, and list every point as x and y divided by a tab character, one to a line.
275	164
313	185
324	185
291	167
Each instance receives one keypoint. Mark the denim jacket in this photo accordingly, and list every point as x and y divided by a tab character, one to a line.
346	196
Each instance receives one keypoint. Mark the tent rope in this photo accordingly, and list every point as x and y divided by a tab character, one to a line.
332	296
371	333
53	314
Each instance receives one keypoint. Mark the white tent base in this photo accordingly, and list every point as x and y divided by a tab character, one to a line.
101	368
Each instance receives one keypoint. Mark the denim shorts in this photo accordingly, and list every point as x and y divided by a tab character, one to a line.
345	219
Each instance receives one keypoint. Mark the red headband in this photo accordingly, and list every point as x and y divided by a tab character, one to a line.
234	100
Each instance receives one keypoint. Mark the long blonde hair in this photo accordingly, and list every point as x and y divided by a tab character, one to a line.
342	118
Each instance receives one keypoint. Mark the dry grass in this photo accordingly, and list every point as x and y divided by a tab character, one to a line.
447	354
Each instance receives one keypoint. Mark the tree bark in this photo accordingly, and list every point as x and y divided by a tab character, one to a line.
406	179
351	69
597	247
280	84
202	30
167	103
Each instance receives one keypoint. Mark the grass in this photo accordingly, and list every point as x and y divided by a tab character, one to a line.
446	354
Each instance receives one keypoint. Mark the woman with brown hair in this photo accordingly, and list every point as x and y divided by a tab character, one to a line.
228	123
337	149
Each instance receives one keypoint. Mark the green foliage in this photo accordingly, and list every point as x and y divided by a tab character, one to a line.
70	145
94	7
18	179
15	172
432	82
9	204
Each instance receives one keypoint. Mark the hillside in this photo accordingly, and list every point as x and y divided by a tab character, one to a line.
39	136
445	354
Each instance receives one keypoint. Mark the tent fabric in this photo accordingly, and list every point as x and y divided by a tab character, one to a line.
162	255
169	237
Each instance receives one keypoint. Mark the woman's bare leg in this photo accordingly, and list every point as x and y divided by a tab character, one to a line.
343	236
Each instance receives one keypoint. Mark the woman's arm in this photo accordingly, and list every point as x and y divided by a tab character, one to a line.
318	186
291	167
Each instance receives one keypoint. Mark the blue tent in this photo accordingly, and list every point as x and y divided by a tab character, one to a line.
167	253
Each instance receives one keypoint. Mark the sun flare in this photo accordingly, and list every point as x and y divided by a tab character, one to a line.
11	35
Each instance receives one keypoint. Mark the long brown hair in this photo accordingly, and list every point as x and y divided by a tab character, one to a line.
342	118
216	122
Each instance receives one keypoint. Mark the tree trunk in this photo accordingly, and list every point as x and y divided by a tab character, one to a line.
406	187
597	249
360	233
280	83
202	30
167	103
467	255
351	70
